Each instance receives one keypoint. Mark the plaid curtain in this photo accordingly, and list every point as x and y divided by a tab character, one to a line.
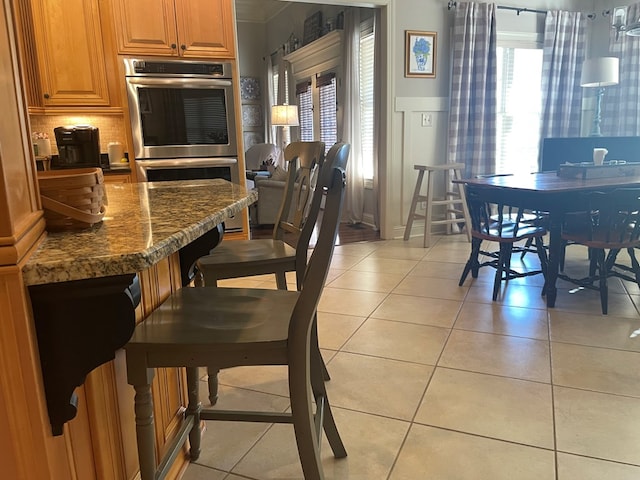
562	57
473	117
621	103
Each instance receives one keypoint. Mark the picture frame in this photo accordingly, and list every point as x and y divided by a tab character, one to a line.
252	116
312	28
420	54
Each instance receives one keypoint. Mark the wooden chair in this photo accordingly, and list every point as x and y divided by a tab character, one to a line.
236	327
494	220
242	258
610	223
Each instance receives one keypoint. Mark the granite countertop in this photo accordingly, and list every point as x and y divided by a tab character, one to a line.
144	223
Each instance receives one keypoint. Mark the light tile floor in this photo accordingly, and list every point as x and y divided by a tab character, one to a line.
435	381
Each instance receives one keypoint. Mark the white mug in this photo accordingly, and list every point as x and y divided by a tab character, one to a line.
116	152
598	155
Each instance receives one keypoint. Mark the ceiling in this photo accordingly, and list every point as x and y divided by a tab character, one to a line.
258	11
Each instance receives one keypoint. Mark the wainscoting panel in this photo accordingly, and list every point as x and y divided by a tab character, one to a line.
421	145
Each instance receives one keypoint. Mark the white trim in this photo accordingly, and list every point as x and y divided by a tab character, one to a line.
320	55
520	40
422	104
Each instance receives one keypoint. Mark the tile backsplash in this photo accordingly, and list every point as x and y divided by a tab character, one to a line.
111	127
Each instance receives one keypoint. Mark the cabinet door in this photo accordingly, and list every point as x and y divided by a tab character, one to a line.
205	28
146	27
70	53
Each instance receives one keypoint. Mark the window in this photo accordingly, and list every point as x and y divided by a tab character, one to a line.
367	104
328	105
322	122
305	111
519	107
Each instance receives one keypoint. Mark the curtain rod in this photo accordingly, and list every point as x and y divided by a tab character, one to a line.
518	10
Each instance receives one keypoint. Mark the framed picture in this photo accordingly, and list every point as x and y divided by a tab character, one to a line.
249	88
312	28
420	54
251	116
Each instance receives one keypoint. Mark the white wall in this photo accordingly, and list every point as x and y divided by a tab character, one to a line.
405	141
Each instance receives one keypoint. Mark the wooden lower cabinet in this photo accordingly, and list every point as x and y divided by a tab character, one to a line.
102	437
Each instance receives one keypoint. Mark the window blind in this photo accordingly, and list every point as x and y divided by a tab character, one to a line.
367	106
326	85
305	110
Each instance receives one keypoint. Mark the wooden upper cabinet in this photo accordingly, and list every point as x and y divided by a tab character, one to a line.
70	53
185	28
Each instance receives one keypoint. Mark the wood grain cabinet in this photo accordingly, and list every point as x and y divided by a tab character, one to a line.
69	53
178	28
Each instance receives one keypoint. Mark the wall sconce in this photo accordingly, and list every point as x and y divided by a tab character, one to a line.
619	22
599	73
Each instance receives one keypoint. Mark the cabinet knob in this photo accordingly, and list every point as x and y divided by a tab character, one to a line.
183	47
46	95
173	45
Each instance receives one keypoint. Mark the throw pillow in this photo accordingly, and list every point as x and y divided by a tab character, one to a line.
279	174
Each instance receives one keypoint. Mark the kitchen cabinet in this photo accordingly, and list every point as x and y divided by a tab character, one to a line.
179	28
64	52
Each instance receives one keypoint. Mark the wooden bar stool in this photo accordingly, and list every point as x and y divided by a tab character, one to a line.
456	211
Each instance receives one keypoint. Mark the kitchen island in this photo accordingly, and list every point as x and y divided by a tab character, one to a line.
88	289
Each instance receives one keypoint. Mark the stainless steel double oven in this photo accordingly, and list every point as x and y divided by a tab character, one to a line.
183	121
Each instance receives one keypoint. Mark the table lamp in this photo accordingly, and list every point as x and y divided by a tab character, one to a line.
599	73
284	116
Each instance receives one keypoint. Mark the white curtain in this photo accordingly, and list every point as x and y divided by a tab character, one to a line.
269	99
354	199
378	120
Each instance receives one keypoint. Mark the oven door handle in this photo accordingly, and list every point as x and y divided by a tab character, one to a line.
179	82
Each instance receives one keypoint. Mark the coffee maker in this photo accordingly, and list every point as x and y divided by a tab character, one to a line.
78	147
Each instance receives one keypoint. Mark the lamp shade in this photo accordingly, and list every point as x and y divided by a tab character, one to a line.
284	115
600	72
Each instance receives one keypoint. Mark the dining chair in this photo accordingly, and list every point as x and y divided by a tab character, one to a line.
494	218
242	258
231	327
610	223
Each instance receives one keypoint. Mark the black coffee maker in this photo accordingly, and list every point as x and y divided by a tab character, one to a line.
78	147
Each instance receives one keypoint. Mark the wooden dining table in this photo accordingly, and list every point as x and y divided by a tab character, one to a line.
548	192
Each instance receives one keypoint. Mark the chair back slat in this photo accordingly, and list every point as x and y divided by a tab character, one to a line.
304	159
614	217
337	156
494	214
331	185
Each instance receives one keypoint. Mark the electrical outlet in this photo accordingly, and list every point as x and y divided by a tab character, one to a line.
427	120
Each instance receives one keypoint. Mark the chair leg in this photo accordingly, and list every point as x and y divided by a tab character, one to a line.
602	274
281	280
542	255
472	265
145	431
323	407
212	382
303	421
414	205
526	248
502	270
634	264
194	408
